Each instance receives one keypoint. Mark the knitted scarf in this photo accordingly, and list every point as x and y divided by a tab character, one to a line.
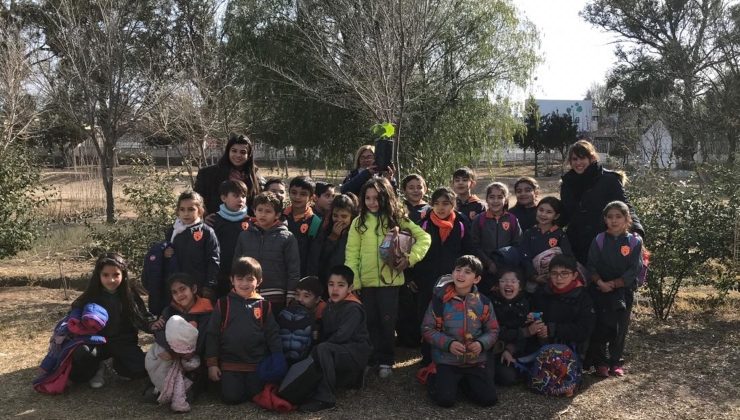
232	216
444	225
180	227
572	285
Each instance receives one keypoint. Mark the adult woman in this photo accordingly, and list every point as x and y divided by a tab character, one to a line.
585	190
237	163
364	170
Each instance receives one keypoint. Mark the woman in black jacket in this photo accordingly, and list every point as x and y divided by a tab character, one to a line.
237	163
585	190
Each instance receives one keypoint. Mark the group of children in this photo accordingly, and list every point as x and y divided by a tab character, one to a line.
250	293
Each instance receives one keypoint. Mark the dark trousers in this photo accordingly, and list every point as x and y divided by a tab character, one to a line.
607	341
504	375
338	369
381	306
128	360
239	387
408	322
424	297
476	382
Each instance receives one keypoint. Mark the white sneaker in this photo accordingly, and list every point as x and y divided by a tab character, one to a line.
98	380
384	371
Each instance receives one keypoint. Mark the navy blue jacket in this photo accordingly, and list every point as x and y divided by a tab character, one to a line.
527	216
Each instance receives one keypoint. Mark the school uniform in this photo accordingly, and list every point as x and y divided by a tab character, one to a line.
495	240
470	208
527	216
535	242
304	228
417	212
513	336
408	321
327	251
227	229
198	254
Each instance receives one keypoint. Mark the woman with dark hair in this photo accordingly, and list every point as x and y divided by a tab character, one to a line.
237	163
585	190
364	170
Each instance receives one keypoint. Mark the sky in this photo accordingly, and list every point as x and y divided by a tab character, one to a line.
576	54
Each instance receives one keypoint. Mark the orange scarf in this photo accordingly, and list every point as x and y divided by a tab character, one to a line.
445	226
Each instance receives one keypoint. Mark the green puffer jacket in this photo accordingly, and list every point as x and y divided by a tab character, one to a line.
363	258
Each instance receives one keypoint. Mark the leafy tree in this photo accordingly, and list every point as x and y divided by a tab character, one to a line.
558	132
531	137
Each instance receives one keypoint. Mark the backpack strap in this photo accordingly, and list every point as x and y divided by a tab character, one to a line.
462	229
315	226
512	219
481	220
438	308
223	306
424	224
600	241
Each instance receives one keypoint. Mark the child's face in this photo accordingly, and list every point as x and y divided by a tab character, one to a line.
338	287
341	216
616	222
299	197
307	299
561	276
183	295
415	191
234	201
546	214
371	200
495	200
525	194
324	200
188	212
443	207
462	185
245	286
464	278
278	189
579	164
265	216
111	277
509	285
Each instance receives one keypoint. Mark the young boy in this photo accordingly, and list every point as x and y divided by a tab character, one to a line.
269	241
322	198
277	187
345	341
230	220
302	222
242	331
300	322
463	182
526	190
461	326
512	307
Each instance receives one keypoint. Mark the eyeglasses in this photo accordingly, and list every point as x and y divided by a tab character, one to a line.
561	274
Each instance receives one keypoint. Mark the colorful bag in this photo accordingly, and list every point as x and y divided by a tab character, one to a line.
395	247
555	369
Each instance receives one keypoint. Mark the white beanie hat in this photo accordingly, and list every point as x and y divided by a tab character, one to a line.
181	335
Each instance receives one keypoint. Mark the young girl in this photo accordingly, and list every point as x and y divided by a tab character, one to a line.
495	234
194	244
328	249
110	288
414	189
512	307
380	212
541	242
614	261
526	190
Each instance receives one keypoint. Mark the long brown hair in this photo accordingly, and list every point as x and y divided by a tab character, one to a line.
249	168
391	212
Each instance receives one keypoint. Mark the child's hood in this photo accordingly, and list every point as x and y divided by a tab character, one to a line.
280	225
445	289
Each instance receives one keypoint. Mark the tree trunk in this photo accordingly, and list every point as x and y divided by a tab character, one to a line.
732	144
106	169
536	169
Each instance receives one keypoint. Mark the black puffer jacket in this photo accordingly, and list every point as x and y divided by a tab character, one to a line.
570	317
584	197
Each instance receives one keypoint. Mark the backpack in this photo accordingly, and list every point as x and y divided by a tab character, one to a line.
554	369
396	245
633	239
296	327
154	275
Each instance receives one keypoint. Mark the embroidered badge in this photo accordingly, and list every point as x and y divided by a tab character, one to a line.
625	250
257	312
304	228
245	225
472	215
198	235
553	242
152	258
506	225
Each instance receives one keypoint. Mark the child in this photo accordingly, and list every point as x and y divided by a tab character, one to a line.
193	309
525	210
468	204
461	327
379	213
512	307
268	240
567	314
110	288
328	250
449	242
414	189
300	322
242	332
322	198
495	235
344	349
194	244
231	219
302	222
542	242
277	187
614	260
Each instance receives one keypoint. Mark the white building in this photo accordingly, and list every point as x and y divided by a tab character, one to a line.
581	111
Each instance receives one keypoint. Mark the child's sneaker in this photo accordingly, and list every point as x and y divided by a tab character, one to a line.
602	371
384	371
98	380
617	371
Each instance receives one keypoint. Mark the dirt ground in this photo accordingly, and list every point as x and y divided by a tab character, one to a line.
682	369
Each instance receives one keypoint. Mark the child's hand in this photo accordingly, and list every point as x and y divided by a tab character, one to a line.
457	348
507	358
389	173
535	327
474	348
214	373
543	332
338	228
169	252
402	264
158	324
604	287
412	285
492	268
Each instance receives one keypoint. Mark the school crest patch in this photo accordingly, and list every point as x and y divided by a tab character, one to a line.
624	250
245	225
472	215
506	225
198	235
553	242
257	312
304	228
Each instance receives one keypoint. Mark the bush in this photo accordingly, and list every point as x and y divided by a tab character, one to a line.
687	231
21	196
